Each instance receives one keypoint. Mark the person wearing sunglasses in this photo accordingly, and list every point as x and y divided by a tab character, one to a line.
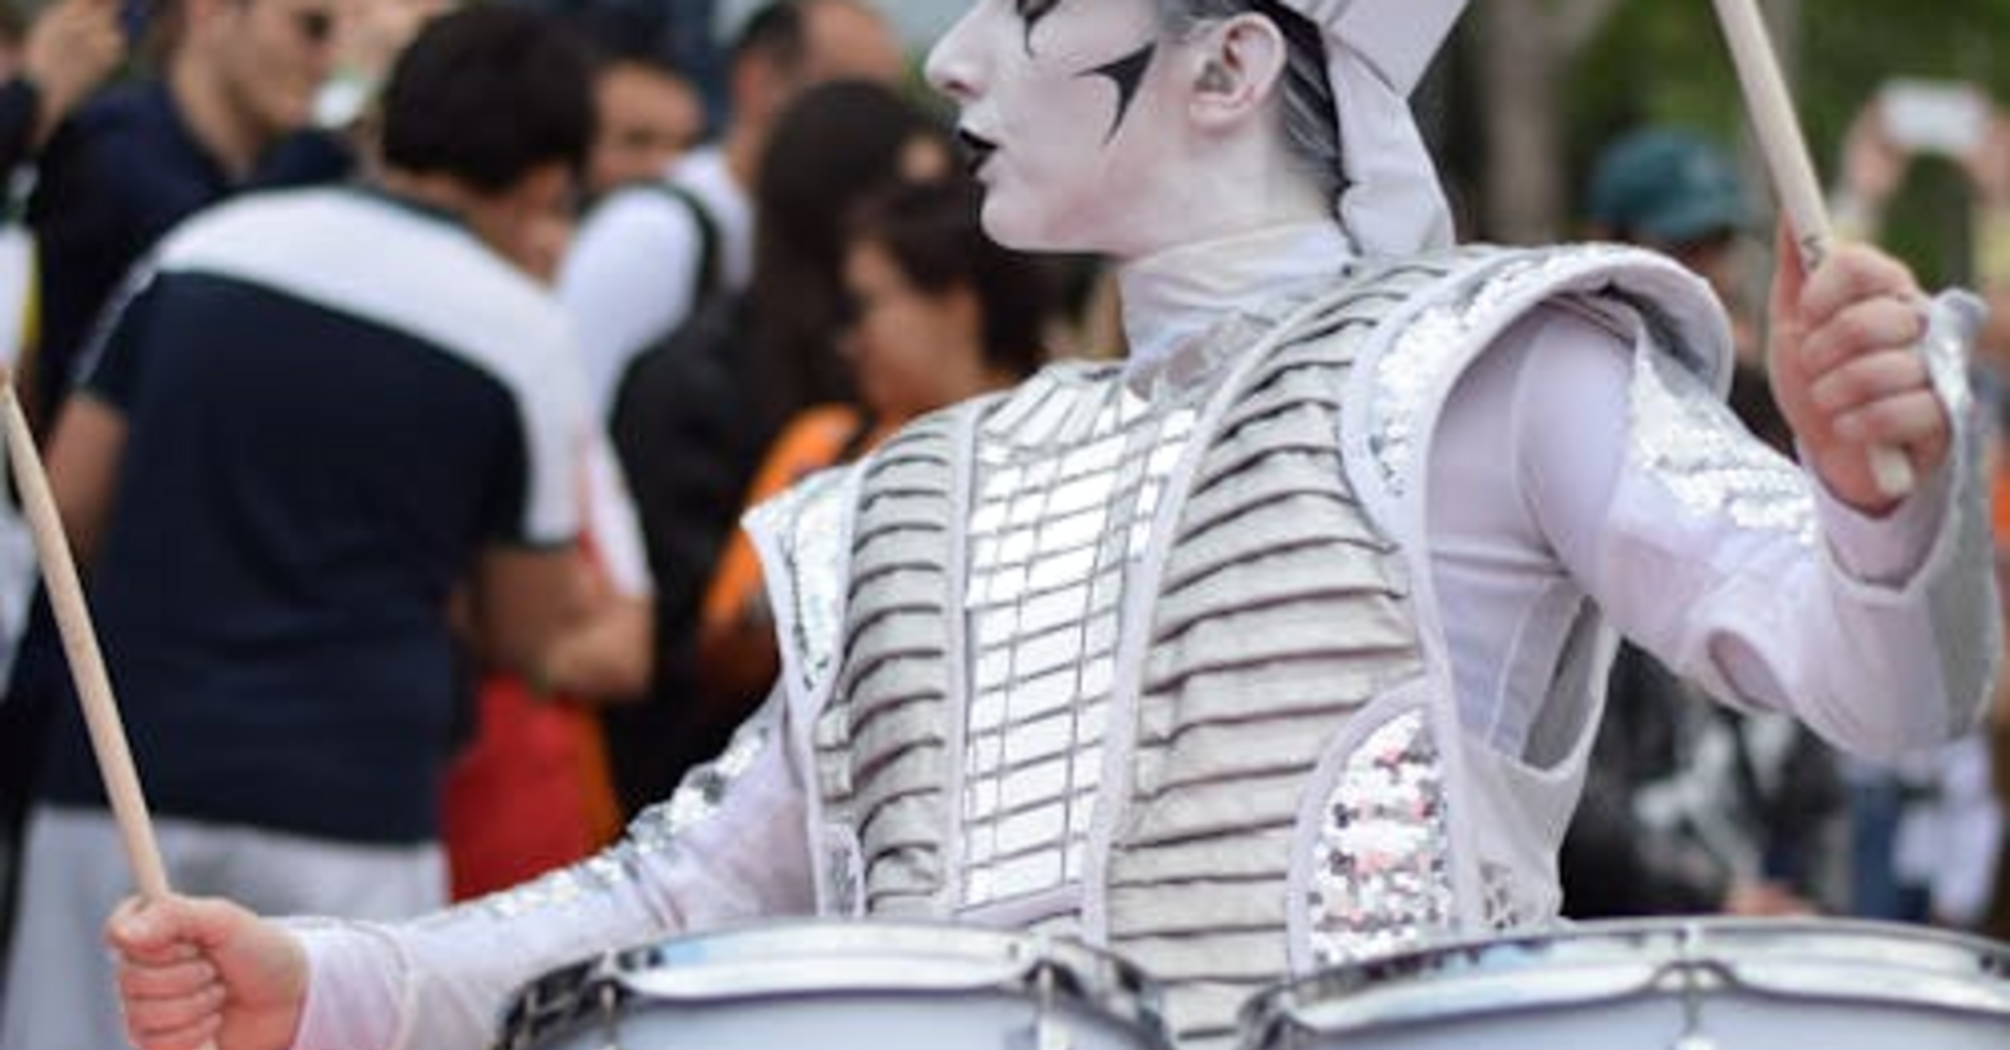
228	111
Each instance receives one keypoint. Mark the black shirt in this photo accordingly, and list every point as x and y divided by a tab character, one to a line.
118	174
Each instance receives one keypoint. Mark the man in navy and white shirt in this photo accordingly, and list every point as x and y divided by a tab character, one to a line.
319	417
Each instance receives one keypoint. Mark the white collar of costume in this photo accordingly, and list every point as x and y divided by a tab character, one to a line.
1173	297
1376	51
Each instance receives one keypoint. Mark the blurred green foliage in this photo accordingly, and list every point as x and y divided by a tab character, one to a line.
1664	61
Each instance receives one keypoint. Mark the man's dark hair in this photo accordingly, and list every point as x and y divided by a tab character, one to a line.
487	94
778	32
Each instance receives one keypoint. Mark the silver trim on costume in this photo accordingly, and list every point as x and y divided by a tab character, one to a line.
809	520
1953	323
654	832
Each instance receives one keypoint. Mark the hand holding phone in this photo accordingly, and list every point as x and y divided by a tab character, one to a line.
1934	116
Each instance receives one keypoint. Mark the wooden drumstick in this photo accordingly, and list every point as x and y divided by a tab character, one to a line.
1786	152
80	644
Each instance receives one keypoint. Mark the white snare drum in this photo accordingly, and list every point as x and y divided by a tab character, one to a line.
848	986
1707	984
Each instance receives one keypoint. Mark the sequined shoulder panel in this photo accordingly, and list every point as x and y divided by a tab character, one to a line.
1477	294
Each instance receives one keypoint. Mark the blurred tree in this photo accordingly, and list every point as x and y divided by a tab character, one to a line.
1612	66
1523	51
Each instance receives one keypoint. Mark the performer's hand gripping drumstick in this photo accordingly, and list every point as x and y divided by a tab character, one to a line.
1793	174
80	644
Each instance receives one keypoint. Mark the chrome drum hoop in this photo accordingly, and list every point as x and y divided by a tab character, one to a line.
1778	964
793	960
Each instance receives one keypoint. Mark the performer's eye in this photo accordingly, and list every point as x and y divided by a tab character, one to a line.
1032	11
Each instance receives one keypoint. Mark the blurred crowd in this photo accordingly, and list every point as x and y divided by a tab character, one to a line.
401	612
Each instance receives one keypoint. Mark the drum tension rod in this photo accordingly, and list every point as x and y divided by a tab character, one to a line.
1050	1031
610	1018
1695	970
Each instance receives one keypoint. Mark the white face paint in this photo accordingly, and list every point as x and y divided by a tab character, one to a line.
1073	123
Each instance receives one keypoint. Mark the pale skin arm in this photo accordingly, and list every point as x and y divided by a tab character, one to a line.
195	973
1988	164
602	653
1846	373
1873	168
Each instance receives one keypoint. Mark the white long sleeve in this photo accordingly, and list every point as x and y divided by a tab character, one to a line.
1838	629
729	845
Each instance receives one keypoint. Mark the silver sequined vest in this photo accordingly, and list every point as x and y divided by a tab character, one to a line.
1146	666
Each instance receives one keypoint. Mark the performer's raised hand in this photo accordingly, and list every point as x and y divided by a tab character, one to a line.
206	973
1847	372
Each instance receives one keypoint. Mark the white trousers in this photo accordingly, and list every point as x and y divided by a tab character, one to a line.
59	986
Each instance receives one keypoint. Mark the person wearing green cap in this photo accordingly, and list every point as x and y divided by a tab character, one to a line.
1677	192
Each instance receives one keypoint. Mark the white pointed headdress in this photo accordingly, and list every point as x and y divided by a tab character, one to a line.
1376	51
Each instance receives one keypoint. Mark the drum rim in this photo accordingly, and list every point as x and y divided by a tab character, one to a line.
1951	973
1063	970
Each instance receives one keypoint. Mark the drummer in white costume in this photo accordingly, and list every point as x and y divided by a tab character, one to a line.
1279	644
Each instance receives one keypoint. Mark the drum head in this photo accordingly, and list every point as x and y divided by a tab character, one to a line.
832	960
1703	979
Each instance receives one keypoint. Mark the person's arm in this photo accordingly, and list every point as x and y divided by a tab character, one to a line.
610	656
84	457
1874	166
71	48
728	845
88	441
521	601
1705	547
1988	169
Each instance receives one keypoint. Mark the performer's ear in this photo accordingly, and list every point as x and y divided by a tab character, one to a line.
1239	62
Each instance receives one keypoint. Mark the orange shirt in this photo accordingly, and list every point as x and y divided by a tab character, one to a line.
812	441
